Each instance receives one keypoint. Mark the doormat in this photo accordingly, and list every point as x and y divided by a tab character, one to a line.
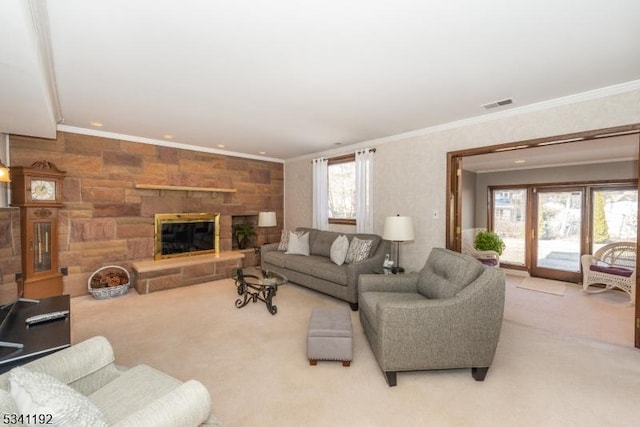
553	287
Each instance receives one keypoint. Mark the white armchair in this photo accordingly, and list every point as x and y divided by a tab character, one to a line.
613	266
136	397
486	257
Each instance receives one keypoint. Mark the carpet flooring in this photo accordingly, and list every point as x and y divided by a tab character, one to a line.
553	287
255	367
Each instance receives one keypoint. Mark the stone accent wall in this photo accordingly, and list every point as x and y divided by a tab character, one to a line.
106	220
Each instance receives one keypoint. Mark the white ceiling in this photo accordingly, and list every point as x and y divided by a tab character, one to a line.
292	77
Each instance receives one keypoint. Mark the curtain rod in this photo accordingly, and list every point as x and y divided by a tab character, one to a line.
323	159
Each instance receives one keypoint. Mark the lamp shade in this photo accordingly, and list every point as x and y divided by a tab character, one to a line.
267	219
4	173
398	228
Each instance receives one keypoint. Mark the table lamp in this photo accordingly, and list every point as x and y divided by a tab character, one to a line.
4	173
267	219
398	229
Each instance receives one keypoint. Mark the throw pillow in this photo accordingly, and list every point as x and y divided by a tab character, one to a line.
298	243
41	395
284	240
339	249
358	250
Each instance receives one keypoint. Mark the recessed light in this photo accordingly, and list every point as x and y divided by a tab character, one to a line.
519	161
168	136
96	124
263	152
220	145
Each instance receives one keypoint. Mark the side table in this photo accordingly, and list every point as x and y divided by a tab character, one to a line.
38	340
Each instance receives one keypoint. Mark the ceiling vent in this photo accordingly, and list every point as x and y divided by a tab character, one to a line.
500	103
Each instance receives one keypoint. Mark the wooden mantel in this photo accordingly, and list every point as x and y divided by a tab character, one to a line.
184	188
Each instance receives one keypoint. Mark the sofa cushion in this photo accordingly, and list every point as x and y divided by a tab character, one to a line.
298	243
375	241
446	273
359	250
610	269
274	257
305	264
313	232
330	271
339	249
43	395
318	250
322	243
491	262
284	241
134	389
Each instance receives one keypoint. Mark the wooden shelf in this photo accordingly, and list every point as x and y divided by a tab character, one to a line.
184	188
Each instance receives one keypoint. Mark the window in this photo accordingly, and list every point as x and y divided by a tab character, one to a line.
341	185
614	215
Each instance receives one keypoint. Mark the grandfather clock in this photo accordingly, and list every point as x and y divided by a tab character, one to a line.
37	191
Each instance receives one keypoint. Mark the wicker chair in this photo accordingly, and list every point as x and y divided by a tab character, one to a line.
491	258
613	266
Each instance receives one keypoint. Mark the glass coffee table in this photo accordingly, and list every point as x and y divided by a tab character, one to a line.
255	284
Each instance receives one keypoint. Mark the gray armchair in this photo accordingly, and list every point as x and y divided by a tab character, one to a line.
446	316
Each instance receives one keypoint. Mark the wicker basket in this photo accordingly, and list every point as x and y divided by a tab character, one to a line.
109	282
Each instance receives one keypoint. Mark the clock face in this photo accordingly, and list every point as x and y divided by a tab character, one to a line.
43	190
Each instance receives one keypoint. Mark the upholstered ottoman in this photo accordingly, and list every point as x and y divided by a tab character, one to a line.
330	336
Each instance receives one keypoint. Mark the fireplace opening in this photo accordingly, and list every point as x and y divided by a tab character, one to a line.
186	234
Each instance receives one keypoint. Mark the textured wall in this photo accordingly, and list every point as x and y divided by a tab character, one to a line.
106	220
410	172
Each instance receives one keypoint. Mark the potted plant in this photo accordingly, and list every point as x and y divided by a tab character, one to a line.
243	232
489	241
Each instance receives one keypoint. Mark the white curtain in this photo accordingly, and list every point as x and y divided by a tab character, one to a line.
364	185
320	194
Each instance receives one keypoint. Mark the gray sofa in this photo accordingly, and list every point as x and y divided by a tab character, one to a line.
318	272
448	315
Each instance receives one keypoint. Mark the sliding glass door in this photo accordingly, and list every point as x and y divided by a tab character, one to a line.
509	221
546	229
557	237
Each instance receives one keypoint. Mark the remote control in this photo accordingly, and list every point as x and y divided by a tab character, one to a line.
45	317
